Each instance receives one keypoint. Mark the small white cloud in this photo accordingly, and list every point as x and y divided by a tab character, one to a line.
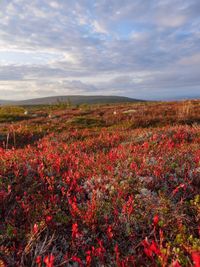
139	36
98	28
54	4
82	19
38	13
191	60
68	57
168	20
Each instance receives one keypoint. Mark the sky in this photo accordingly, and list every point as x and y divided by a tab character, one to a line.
146	49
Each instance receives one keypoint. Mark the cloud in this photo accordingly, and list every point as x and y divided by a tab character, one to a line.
98	28
171	21
142	48
191	60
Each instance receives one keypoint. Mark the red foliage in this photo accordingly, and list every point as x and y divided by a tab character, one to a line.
155	219
196	258
92	196
151	249
49	260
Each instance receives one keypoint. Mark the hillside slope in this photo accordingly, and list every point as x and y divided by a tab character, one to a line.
74	99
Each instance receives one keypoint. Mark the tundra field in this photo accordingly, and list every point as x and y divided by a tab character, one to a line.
100	185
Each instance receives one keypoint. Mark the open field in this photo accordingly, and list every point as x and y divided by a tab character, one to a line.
100	185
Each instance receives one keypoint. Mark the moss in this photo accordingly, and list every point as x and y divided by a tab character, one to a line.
12	113
86	122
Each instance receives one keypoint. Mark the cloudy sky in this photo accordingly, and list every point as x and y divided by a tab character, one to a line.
147	49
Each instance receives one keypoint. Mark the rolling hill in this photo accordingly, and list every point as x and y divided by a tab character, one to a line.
73	99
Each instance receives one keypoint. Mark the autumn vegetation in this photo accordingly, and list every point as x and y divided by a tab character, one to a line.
100	185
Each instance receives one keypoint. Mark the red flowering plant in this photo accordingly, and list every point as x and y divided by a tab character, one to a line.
93	194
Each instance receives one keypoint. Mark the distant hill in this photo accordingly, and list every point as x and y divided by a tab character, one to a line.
5	102
73	99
